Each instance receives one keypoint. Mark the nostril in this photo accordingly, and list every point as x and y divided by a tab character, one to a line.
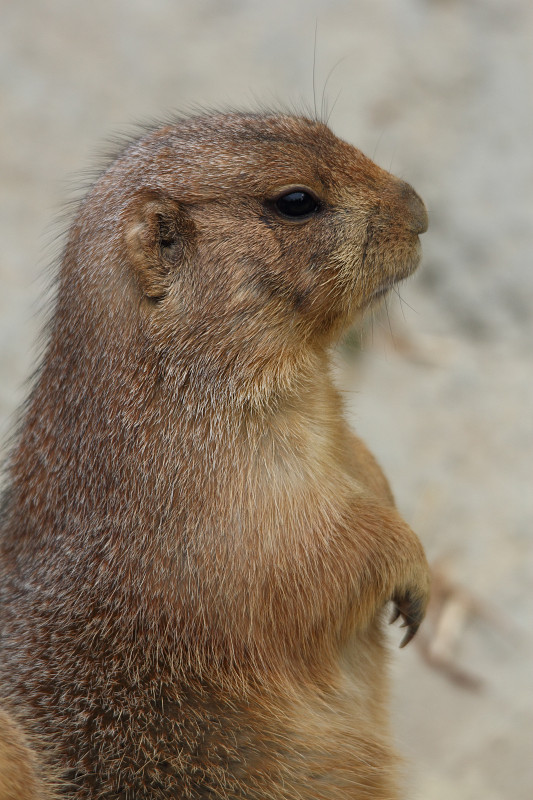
417	215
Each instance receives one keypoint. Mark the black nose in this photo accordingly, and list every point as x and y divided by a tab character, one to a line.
416	214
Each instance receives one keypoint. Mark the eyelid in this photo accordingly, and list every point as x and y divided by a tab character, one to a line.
295	187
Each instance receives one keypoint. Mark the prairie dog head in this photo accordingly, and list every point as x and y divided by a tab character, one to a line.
262	233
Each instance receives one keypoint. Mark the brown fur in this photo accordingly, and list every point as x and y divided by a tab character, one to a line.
196	552
20	771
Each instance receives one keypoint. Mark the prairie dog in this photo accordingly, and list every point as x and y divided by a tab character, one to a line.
195	550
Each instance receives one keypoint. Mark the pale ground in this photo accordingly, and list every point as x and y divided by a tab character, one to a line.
439	91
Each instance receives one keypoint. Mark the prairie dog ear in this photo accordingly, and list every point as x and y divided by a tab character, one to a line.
157	234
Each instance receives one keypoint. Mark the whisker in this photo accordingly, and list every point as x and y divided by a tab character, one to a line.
378	144
393	156
388	319
333	106
314	71
403	300
323	106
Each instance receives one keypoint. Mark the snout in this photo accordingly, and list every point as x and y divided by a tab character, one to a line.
413	208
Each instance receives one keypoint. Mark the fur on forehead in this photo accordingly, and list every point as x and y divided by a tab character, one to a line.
203	157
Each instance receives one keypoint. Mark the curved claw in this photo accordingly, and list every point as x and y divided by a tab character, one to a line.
411	609
409	635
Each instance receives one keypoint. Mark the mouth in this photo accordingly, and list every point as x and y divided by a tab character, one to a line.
393	273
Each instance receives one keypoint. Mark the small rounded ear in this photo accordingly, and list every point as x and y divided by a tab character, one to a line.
157	234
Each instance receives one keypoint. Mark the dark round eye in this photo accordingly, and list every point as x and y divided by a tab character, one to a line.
297	204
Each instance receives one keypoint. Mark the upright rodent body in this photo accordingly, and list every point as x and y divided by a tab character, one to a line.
195	551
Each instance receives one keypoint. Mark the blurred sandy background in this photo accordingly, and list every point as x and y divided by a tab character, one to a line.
440	92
